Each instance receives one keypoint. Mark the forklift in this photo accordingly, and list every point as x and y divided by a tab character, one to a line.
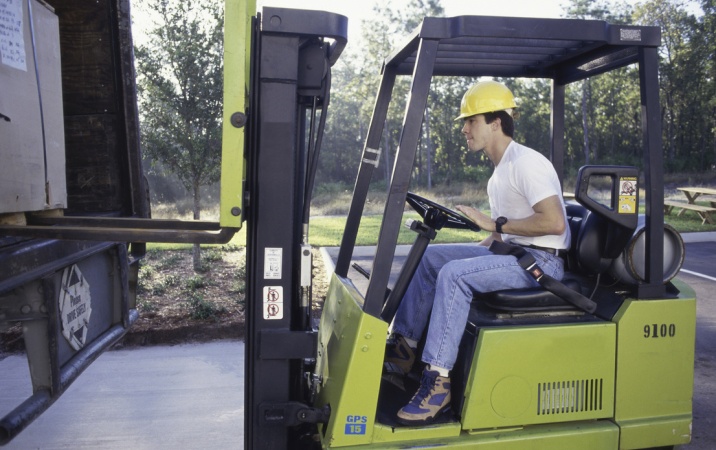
534	371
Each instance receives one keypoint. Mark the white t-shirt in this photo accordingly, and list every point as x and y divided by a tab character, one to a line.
523	178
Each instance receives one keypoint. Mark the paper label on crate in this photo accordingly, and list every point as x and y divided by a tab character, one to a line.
12	38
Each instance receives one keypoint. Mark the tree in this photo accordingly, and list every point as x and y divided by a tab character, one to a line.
599	10
687	84
450	162
180	93
355	81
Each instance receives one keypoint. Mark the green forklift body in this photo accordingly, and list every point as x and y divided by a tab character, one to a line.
351	345
528	375
545	386
237	64
655	370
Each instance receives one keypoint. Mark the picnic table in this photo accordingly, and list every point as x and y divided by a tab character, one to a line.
692	193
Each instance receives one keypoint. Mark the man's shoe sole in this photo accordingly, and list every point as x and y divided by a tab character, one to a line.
428	421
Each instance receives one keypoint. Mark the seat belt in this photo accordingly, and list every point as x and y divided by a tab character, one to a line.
529	263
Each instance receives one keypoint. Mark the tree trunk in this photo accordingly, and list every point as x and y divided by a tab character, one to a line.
428	150
196	253
386	155
670	127
585	121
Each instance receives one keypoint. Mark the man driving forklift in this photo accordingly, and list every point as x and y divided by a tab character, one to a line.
526	209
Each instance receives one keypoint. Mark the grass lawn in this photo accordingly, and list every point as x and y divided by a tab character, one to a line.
689	221
327	231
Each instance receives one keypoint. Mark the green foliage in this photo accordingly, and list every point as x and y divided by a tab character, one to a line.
603	114
167	261
687	85
152	277
180	86
147	306
212	255
195	282
201	309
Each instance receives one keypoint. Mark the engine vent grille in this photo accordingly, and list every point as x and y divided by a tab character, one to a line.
563	397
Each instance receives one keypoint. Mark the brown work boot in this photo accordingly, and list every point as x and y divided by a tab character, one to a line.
432	398
399	356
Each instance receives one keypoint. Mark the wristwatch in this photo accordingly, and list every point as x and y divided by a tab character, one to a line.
499	222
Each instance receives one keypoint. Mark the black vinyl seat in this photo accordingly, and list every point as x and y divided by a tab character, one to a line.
584	260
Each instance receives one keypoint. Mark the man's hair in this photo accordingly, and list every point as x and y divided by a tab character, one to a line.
506	121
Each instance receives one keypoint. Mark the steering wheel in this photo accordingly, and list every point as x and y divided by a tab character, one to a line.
438	216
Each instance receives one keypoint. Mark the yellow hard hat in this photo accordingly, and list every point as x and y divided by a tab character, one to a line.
484	97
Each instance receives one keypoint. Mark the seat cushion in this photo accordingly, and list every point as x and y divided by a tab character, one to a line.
528	300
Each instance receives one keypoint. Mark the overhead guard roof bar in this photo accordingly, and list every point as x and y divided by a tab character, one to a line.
519	47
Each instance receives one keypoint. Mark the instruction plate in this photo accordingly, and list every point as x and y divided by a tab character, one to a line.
273	258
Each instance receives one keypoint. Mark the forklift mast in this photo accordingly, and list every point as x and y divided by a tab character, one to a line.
292	55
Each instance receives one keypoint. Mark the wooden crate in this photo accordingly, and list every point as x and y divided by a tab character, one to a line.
32	141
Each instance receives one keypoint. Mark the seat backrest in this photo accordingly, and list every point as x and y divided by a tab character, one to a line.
589	234
605	218
612	193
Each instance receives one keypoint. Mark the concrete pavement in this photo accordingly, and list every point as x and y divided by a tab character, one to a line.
163	397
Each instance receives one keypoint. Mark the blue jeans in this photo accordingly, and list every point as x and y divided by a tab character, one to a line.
444	283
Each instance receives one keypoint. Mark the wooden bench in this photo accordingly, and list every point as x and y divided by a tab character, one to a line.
703	211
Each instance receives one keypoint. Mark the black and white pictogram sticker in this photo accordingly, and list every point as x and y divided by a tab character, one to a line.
273	302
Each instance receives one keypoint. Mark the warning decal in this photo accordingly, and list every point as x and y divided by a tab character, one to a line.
75	306
627	195
273	258
273	302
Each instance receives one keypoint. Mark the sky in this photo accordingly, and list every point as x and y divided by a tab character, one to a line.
356	10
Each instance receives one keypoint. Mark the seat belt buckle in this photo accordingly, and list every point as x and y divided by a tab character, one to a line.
535	271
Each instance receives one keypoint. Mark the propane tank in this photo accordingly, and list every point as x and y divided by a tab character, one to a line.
629	267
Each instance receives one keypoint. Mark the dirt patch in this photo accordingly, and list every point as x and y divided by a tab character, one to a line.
178	304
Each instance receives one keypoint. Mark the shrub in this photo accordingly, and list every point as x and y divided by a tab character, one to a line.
201	309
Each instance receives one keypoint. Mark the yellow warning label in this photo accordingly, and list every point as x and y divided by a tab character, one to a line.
627	195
